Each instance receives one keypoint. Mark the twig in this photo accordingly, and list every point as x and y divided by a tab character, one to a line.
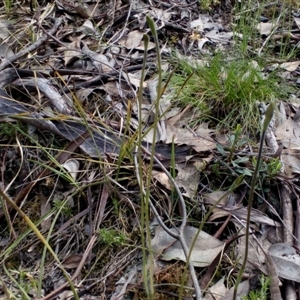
266	122
288	238
9	75
102	78
45	86
32	47
287	214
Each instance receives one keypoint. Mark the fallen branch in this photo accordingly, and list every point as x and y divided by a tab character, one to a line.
32	47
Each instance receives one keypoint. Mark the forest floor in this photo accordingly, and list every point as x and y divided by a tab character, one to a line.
149	149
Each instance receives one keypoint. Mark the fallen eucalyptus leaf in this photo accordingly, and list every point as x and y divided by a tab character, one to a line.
204	251
286	261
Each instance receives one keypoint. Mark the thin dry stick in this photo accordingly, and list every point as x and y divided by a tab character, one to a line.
32	47
180	235
287	214
268	117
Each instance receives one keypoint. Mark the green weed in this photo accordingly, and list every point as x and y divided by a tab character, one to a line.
262	293
111	237
231	163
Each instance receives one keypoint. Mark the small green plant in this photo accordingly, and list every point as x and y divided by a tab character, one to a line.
262	293
208	4
111	237
65	209
224	91
232	163
9	130
269	167
8	6
27	281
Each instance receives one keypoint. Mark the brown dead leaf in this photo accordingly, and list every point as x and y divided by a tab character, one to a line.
219	197
87	28
5	29
207	30
160	14
73	52
6	51
45	208
256	256
288	133
265	28
188	178
203	23
297	21
167	108
204	251
94	10
72	166
184	136
218	213
135	78
101	62
256	215
291	160
163	179
203	130
243	290
286	261
241	213
290	66
217	291
134	40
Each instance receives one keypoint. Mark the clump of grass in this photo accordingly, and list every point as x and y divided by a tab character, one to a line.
111	237
225	91
246	22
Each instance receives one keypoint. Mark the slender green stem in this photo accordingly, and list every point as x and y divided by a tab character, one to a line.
268	117
148	278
